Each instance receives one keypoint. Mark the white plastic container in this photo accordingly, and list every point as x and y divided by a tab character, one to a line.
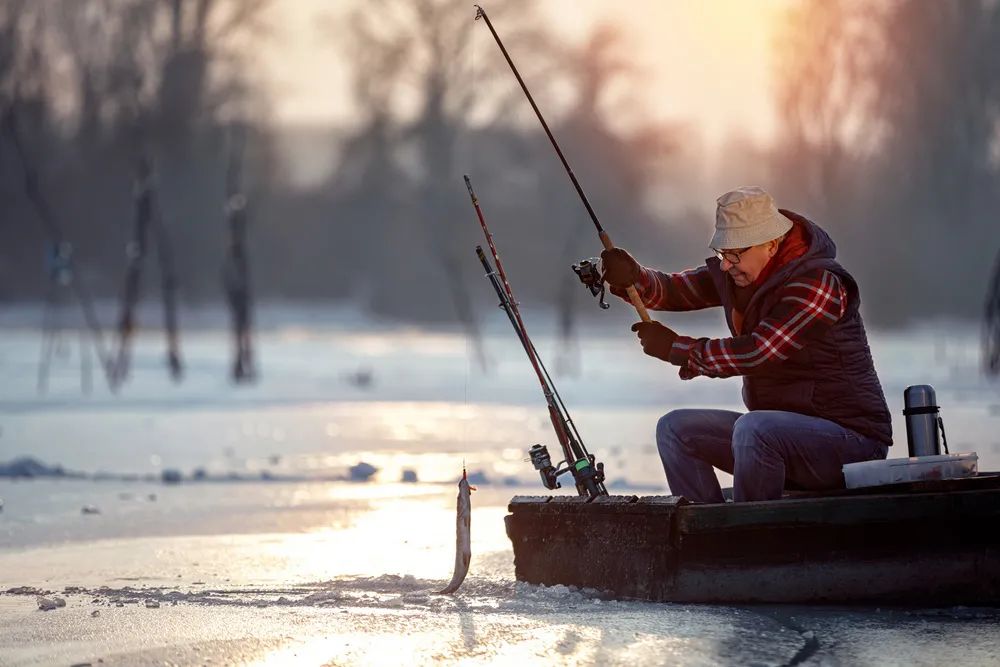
915	469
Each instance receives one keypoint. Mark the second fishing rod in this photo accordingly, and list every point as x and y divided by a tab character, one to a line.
588	474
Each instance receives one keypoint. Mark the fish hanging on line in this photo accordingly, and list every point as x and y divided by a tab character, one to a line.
463	546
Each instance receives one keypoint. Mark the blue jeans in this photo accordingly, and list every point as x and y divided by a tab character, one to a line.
761	449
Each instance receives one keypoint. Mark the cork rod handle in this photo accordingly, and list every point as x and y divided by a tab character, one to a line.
633	295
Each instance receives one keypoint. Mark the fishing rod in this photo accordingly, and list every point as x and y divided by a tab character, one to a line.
633	295
587	473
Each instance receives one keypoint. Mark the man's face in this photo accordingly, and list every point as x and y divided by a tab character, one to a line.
751	261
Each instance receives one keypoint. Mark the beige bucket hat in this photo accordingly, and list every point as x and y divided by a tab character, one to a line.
747	216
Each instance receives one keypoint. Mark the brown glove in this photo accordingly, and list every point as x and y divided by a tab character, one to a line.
620	269
657	340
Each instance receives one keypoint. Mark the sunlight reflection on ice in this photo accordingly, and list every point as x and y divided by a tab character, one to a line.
484	638
404	537
427	422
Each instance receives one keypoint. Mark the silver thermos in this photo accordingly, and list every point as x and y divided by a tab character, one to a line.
922	421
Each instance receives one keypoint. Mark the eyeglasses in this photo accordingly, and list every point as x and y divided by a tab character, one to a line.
731	256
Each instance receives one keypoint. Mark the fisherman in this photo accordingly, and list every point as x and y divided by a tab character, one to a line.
814	401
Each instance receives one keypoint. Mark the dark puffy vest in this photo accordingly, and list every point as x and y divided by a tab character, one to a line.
832	377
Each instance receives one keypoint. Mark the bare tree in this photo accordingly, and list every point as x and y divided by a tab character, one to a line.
891	120
821	98
991	324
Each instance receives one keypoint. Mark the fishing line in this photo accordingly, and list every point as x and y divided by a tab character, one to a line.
468	372
466	131
465	143
473	72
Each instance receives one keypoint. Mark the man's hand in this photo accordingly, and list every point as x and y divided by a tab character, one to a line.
620	269
657	339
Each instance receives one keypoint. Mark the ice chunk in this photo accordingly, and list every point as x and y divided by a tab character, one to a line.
478	477
27	467
171	476
362	472
48	604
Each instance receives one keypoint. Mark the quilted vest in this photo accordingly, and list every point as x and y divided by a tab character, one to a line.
832	377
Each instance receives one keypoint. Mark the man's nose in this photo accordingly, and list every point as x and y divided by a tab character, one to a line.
725	265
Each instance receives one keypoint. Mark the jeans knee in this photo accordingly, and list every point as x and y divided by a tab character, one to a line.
667	429
749	432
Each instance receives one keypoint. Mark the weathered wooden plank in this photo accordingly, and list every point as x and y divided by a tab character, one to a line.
966	576
527	500
984	480
602	504
662	500
614	500
843	510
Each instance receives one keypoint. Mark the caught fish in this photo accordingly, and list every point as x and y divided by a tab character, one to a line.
463	547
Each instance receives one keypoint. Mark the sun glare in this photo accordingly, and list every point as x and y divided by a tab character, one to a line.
706	63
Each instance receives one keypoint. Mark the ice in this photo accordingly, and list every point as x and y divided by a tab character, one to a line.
305	422
554	623
271	555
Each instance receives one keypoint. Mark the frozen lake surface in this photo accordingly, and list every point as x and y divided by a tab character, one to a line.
330	572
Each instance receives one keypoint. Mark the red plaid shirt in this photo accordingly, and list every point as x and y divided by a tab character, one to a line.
807	307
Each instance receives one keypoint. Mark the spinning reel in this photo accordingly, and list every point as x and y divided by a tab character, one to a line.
590	276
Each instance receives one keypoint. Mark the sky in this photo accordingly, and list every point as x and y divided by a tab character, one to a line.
705	63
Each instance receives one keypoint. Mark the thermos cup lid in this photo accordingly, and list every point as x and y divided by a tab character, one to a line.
919	396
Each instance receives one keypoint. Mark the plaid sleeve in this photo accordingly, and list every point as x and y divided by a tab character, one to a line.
806	308
688	290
